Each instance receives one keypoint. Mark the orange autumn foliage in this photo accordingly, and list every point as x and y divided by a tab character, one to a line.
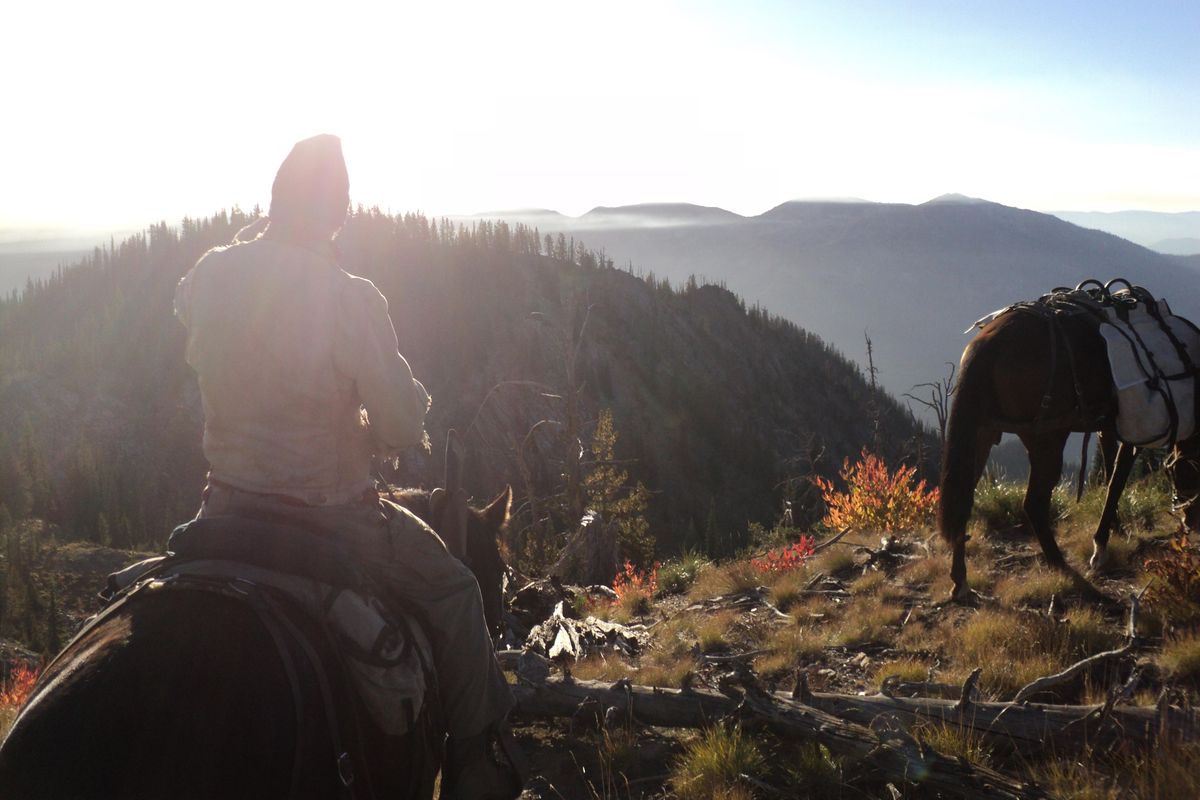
15	691
876	499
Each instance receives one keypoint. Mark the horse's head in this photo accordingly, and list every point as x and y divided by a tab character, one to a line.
484	526
478	548
1184	469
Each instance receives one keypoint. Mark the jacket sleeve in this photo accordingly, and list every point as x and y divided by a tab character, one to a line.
368	352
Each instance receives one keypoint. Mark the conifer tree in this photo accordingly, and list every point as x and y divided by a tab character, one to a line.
608	492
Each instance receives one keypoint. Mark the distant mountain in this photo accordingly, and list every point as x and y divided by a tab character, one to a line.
721	410
22	260
659	214
35	253
1187	246
912	277
958	199
1161	231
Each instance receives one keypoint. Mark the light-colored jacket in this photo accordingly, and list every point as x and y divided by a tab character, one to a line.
289	350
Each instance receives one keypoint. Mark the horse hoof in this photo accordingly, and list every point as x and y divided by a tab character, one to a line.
960	596
1099	559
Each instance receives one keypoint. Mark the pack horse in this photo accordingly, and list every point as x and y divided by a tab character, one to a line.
1104	358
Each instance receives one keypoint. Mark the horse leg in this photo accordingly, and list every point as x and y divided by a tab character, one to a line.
1108	444
984	441
1116	484
1045	471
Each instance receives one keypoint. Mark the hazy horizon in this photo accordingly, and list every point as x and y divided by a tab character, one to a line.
37	236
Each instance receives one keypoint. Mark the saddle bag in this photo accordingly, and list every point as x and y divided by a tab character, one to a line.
1153	356
387	656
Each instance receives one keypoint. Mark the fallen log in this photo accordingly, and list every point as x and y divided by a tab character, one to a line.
884	747
1026	728
1029	729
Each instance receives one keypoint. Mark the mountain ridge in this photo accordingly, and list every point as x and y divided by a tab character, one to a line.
718	405
852	269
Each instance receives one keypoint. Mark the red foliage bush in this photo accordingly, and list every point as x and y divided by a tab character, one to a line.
15	691
786	558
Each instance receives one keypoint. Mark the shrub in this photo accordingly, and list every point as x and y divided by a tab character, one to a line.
1181	659
712	765
785	559
14	691
728	578
1175	590
676	577
998	504
876	499
635	588
955	741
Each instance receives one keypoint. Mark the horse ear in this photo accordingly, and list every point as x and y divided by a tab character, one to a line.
496	513
437	501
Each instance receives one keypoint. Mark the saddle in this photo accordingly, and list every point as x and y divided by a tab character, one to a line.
281	569
1152	356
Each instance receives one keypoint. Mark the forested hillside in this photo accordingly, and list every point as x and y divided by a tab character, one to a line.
915	276
719	410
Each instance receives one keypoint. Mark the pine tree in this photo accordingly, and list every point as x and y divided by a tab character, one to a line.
608	493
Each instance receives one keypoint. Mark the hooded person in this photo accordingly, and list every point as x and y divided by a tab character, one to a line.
302	384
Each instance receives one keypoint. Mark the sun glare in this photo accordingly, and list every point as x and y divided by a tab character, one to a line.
164	110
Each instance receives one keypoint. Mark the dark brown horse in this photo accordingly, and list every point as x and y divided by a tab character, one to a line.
1041	380
186	692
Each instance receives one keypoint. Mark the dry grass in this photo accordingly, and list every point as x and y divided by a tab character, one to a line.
714	633
1089	632
713	763
835	560
1180	658
7	717
866	620
904	669
921	573
1170	772
790	647
1013	649
1145	505
714	580
1033	588
1009	640
813	773
870	584
787	588
955	741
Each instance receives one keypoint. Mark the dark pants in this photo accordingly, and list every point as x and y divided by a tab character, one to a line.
416	568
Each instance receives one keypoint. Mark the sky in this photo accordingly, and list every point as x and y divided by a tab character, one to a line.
121	113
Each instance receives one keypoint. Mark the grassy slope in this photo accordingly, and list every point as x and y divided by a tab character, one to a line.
885	624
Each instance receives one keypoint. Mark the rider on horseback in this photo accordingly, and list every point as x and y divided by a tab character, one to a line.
301	383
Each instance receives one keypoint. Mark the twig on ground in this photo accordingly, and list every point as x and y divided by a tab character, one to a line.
832	541
1070	673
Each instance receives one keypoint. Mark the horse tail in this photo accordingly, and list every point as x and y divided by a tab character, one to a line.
960	456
